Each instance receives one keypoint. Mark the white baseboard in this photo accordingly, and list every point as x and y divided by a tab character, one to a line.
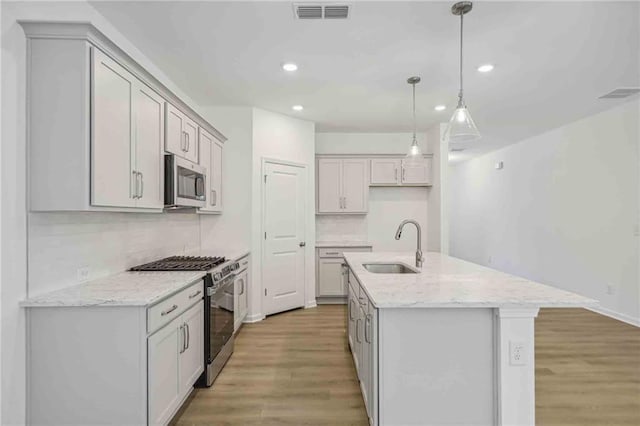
310	304
254	318
616	315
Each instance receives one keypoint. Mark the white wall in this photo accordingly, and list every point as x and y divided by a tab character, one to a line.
231	231
387	206
563	211
89	230
277	136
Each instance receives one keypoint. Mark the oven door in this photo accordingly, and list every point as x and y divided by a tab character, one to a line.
221	316
184	183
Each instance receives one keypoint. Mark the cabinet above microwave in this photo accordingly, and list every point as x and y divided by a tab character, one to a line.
97	124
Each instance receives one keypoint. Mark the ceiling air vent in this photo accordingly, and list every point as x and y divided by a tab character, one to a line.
336	12
621	93
321	11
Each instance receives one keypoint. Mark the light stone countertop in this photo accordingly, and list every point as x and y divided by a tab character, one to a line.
344	243
448	282
124	288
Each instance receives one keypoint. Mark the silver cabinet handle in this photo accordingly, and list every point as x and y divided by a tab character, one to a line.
141	184
214	197
302	244
242	292
367	326
188	141
188	337
183	337
345	202
183	139
168	311
246	262
396	171
191	296
134	193
333	252
358	330
403	174
351	302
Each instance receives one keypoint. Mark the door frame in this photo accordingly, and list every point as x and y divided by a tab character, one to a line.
305	167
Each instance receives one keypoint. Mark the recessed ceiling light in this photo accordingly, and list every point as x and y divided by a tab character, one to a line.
440	107
485	68
297	107
289	66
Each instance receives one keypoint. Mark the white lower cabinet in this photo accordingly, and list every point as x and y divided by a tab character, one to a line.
331	276
241	300
362	318
132	365
176	360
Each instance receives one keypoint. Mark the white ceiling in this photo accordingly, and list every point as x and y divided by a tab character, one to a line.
553	60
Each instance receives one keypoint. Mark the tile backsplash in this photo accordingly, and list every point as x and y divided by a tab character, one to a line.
70	247
341	227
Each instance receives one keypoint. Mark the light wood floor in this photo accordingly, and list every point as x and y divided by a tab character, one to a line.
294	369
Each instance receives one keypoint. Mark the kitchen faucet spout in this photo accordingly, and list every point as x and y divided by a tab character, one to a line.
419	257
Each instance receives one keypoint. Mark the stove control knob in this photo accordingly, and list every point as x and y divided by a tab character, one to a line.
217	276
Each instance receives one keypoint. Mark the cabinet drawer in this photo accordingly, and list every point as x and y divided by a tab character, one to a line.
168	309
338	251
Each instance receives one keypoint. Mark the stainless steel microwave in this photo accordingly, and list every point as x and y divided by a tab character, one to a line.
184	183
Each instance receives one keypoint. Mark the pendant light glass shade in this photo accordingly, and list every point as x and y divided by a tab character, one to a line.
415	153
461	127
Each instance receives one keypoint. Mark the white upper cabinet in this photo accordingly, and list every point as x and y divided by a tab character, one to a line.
416	172
182	135
211	156
97	125
385	171
127	133
342	185
400	172
114	180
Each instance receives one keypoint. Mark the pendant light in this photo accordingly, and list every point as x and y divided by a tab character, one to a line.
461	127
415	153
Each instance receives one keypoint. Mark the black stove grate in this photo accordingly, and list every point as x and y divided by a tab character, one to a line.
181	263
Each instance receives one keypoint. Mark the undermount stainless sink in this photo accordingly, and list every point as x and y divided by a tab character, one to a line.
388	268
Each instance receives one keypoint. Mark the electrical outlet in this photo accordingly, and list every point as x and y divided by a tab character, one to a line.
517	355
611	289
83	274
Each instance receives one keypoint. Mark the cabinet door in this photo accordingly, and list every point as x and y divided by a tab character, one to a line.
330	277
190	129
216	181
385	171
355	183
416	172
112	156
149	137
174	141
240	302
372	383
164	391
205	161
351	316
192	358
329	186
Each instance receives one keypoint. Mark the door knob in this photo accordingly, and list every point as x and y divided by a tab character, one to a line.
302	244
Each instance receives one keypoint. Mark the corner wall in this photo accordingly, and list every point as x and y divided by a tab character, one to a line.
564	210
279	137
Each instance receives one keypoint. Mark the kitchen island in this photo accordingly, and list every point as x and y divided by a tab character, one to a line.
450	343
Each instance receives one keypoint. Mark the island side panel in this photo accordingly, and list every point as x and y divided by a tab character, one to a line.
436	366
515	366
87	363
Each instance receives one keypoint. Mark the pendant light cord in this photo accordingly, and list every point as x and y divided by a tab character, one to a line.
460	95
414	113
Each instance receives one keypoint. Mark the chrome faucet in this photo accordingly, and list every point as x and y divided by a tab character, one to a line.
419	258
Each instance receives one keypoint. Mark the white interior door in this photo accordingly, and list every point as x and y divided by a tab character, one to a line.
283	265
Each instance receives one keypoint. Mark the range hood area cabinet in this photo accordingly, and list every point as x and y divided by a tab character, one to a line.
97	123
211	151
182	135
342	186
400	172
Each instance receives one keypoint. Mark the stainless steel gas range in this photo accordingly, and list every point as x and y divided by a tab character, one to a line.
219	280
